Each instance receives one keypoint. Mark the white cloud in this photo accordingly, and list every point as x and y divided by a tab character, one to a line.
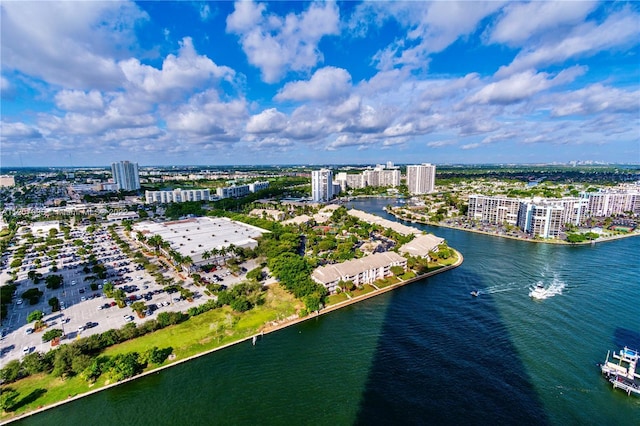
519	87
70	44
205	117
74	123
326	84
18	130
77	100
431	27
620	30
277	45
594	99
205	12
179	74
268	121
521	22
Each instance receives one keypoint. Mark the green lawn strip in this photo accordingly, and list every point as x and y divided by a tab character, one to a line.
43	389
367	288
336	298
408	275
196	335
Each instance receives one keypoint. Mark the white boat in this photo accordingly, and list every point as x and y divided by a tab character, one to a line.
538	292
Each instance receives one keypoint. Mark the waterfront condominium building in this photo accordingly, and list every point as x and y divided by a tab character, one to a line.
537	216
496	210
321	185
177	196
421	178
611	201
125	175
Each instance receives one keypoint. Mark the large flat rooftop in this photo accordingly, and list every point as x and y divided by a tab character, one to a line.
191	237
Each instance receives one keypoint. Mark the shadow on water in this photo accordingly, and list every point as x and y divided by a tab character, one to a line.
624	337
455	366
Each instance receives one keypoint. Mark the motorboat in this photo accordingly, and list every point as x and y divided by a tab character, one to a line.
475	293
538	292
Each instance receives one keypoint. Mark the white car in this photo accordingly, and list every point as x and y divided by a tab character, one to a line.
128	318
19	302
26	350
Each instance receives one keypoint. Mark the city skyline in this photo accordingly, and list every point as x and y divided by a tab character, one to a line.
319	83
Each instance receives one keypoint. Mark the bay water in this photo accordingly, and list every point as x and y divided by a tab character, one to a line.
426	353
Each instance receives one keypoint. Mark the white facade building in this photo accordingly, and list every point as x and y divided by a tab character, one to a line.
322	185
125	175
365	270
421	179
177	196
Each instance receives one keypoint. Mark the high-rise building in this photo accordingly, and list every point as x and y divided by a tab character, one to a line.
322	185
421	179
125	175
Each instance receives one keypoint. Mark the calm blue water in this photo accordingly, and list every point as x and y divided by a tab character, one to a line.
427	353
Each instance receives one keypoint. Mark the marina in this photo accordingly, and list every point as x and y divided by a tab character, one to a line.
622	375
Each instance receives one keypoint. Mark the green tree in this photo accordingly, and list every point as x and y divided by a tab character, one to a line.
55	304
35	316
12	371
53	281
8	398
35	362
51	334
32	295
138	307
124	366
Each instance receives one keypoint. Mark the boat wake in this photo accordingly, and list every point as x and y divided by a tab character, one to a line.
499	288
539	291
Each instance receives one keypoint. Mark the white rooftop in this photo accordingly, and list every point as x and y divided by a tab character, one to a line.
421	245
191	237
377	220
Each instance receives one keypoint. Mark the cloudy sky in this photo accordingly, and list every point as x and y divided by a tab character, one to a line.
160	83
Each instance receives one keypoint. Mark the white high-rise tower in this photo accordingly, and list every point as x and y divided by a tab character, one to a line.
421	179
322	185
125	175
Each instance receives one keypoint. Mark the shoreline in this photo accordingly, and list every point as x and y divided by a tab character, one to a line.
529	240
265	330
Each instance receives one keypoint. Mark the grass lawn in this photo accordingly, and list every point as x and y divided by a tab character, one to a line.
386	282
198	334
408	275
336	298
364	290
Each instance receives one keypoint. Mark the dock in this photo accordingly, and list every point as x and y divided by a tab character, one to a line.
622	375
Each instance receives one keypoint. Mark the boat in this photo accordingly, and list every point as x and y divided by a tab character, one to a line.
475	293
538	292
622	374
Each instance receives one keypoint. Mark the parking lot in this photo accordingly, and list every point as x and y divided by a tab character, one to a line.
85	311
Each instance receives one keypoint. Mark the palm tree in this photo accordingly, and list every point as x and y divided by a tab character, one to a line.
155	241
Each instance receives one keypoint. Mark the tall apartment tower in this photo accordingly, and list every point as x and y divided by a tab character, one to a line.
322	185
125	175
421	179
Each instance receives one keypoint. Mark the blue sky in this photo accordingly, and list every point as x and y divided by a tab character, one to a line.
161	83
